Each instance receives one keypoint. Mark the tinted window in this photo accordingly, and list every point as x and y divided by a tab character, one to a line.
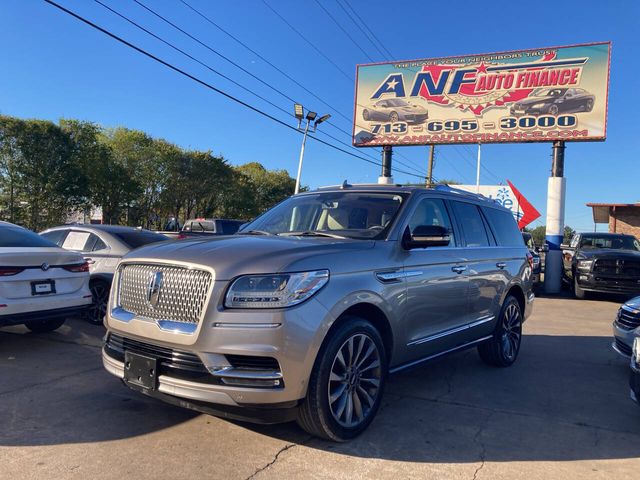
615	242
229	227
138	238
56	236
99	245
201	226
431	211
470	221
19	237
504	227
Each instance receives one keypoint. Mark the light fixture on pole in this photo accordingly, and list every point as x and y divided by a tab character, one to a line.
298	112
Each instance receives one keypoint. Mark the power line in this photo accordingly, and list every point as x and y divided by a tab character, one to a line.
370	31
286	112
364	32
169	22
203	83
344	31
349	77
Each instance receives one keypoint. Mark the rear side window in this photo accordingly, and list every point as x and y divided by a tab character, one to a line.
504	227
56	236
19	237
470	220
201	226
139	238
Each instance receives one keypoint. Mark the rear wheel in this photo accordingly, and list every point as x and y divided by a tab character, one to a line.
553	110
503	348
346	385
589	105
393	117
44	325
100	296
366	115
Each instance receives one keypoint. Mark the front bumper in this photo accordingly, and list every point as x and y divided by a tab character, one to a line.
594	283
526	111
623	340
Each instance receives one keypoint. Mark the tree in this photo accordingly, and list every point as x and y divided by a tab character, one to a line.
539	233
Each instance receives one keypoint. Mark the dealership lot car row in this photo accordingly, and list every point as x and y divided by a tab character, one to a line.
304	313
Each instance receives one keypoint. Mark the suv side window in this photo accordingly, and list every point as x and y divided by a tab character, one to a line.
505	228
471	223
432	211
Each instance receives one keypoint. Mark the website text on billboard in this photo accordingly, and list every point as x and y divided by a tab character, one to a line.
541	95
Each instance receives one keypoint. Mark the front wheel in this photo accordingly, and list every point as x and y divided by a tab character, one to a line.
44	325
393	117
346	384
553	110
100	296
503	348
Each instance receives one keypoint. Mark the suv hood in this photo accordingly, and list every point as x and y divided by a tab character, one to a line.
230	256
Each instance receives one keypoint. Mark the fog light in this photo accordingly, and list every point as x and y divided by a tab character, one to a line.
246	382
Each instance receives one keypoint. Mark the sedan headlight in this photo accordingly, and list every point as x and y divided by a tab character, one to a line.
635	356
275	291
538	105
584	265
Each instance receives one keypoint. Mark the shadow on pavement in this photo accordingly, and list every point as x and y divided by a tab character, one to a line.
565	399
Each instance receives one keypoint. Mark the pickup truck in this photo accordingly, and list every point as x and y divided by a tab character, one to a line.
209	226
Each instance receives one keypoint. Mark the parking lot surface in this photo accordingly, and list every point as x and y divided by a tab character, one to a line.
562	411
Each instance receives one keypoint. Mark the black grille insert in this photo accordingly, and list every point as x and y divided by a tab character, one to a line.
623	347
249	362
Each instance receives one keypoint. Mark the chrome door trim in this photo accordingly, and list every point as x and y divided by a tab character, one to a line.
439	354
395	276
451	331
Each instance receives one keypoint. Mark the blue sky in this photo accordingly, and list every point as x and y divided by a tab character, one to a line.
53	66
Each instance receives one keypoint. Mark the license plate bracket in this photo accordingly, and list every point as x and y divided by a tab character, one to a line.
140	370
43	287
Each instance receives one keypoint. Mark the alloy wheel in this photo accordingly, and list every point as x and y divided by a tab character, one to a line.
98	309
511	331
354	381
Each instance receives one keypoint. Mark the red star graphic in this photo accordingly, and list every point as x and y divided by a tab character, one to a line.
482	68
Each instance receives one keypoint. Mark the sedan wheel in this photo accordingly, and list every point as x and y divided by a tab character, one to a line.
393	117
589	105
366	115
98	309
553	110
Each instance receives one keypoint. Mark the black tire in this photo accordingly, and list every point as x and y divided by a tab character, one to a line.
44	325
578	292
100	297
366	115
393	117
552	110
331	420
503	348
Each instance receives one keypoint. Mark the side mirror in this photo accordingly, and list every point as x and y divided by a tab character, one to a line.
424	236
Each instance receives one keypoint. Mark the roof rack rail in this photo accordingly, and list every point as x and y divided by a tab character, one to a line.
458	191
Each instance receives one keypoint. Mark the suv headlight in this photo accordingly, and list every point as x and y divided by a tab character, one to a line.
275	291
635	356
584	265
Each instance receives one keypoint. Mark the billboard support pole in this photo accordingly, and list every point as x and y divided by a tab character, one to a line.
386	178
555	220
432	147
478	172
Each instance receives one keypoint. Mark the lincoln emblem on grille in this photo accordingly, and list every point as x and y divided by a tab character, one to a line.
153	290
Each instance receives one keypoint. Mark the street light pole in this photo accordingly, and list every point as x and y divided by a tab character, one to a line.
310	117
304	142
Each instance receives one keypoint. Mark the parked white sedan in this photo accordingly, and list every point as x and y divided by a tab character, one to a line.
40	284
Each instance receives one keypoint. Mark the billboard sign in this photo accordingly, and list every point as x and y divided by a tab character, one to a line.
510	198
541	95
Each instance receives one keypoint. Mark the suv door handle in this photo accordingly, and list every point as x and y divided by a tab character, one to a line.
501	265
459	268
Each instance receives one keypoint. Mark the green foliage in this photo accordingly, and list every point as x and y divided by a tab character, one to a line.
49	171
538	234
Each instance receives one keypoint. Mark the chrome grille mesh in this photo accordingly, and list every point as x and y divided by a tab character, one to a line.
182	296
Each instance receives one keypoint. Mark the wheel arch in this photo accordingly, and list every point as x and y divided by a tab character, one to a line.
517	292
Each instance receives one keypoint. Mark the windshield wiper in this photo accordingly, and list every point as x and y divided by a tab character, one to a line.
256	232
312	233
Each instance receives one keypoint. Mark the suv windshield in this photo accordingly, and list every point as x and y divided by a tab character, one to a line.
615	242
346	214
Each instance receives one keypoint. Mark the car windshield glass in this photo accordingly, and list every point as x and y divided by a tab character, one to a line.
202	226
550	92
345	214
20	237
397	103
135	239
615	242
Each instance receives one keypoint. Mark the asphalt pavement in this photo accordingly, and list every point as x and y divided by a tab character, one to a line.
562	411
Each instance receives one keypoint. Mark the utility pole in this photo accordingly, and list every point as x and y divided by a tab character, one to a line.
386	178
430	168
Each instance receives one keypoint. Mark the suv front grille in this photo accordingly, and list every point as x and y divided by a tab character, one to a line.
182	293
628	320
628	268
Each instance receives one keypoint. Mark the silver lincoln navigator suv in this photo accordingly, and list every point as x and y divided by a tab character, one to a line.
304	313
